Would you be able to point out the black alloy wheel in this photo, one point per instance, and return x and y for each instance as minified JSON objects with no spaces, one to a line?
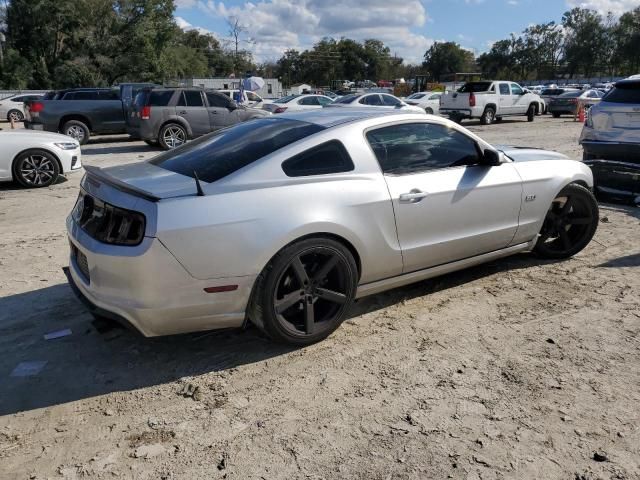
{"x":570,"y":223}
{"x":305,"y":292}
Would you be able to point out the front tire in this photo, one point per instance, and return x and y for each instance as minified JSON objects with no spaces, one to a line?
{"x":428,"y":111}
{"x":304,"y":293}
{"x":35,"y":169}
{"x":78,"y":130}
{"x":531,"y":113}
{"x":172,"y":135}
{"x":570,"y":223}
{"x":488,"y":116}
{"x":555,"y":115}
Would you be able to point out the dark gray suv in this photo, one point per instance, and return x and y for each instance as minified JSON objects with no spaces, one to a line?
{"x":170,"y":116}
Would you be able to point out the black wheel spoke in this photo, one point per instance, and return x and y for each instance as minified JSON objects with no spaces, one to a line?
{"x":309,"y":316}
{"x":331,"y":296}
{"x":544,"y":236}
{"x":289,"y":300}
{"x":326,"y":268}
{"x":300,"y":272}
{"x":579,"y":220}
{"x":566,"y":208}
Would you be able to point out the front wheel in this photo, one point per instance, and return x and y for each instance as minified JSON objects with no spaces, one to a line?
{"x":15,"y":115}
{"x":570,"y":223}
{"x":531,"y":113}
{"x":304,"y":293}
{"x":35,"y":169}
{"x":428,"y":111}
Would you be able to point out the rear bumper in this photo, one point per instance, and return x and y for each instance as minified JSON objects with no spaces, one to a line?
{"x":147,"y":288}
{"x":459,"y":112}
{"x":612,"y":150}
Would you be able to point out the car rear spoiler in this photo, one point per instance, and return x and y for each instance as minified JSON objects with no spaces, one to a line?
{"x":96,"y":174}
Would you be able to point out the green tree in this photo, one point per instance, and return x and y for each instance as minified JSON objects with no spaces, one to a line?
{"x":585,"y":34}
{"x":446,"y":58}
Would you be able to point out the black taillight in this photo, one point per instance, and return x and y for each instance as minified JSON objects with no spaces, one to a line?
{"x":107,"y":223}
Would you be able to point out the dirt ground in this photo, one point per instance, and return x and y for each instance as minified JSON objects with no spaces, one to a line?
{"x":518,"y":369}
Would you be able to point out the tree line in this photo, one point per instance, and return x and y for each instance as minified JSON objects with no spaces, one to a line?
{"x":68,"y":43}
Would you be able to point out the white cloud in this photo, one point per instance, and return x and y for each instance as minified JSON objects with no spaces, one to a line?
{"x":184,"y":25}
{"x":617,"y":7}
{"x":277,"y":25}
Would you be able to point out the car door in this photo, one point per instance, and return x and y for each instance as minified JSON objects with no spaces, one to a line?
{"x":221,"y":110}
{"x":448,"y":205}
{"x":434,"y":102}
{"x":191,"y":108}
{"x":505,"y":99}
{"x":520,"y":100}
{"x":372,"y":100}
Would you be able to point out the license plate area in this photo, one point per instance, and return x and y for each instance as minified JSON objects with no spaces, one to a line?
{"x":81,"y":262}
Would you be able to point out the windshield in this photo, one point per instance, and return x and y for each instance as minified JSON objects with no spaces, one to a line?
{"x":286,"y":99}
{"x":475,"y":87}
{"x":219,"y":154}
{"x":347,"y":98}
{"x":624,"y":93}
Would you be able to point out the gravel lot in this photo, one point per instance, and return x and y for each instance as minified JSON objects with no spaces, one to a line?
{"x":517,"y":369}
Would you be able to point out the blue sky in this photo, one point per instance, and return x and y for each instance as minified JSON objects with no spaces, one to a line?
{"x":408,"y":27}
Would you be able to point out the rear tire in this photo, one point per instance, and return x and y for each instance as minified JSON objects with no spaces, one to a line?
{"x":35,"y":169}
{"x":15,"y":115}
{"x":78,"y":130}
{"x":570,"y":223}
{"x":305,"y":291}
{"x":555,"y":115}
{"x":172,"y":135}
{"x":488,"y":116}
{"x":428,"y":111}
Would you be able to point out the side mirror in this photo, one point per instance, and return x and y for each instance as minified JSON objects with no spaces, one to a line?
{"x":491,"y":158}
{"x":400,"y":105}
{"x":232,"y":106}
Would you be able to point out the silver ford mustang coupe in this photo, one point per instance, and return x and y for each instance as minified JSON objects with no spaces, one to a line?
{"x":284,"y":221}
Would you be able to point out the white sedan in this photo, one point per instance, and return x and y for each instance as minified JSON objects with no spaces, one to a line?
{"x":37,"y":159}
{"x":294,"y":103}
{"x":375,"y":100}
{"x":12,"y":108}
{"x":429,"y":101}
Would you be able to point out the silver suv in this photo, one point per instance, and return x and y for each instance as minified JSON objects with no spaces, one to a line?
{"x":170,"y":116}
{"x":611,"y":142}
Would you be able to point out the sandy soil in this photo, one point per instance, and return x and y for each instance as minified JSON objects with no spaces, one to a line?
{"x":519,"y":369}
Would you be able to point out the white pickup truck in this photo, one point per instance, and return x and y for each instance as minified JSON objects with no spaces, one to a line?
{"x":489,"y":101}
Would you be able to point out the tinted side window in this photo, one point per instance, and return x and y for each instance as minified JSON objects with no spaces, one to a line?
{"x":160,"y":98}
{"x":108,"y":95}
{"x":516,"y":89}
{"x":217,"y":100}
{"x":416,"y":147}
{"x":504,"y":89}
{"x":390,"y":101}
{"x":309,"y":101}
{"x":324,"y":101}
{"x":191,"y":98}
{"x":330,"y":157}
{"x":371,"y":100}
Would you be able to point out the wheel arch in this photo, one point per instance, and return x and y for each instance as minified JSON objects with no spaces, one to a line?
{"x":33,"y":149}
{"x":491,"y":105}
{"x":178,"y":120}
{"x":77,"y":117}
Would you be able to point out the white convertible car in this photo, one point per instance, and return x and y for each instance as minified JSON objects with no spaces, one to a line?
{"x":36,"y":159}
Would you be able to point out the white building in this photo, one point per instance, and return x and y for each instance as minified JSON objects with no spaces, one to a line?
{"x":272,"y":86}
{"x":299,"y":88}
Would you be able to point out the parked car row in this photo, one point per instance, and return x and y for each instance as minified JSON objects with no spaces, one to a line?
{"x":12,"y":108}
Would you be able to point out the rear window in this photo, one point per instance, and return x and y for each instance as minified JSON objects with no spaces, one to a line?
{"x":160,"y":98}
{"x":624,"y":93}
{"x":475,"y":87}
{"x":330,"y":157}
{"x":219,"y":154}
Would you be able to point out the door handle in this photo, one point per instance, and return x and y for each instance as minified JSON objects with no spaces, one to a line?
{"x":414,"y":196}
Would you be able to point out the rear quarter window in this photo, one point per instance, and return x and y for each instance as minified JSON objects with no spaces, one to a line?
{"x":330,"y":157}
{"x":160,"y":98}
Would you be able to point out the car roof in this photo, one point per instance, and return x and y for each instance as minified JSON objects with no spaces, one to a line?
{"x":331,"y":117}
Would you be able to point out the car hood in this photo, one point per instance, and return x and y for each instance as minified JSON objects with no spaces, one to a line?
{"x":31,"y":136}
{"x":528,"y":154}
{"x":144,"y":180}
